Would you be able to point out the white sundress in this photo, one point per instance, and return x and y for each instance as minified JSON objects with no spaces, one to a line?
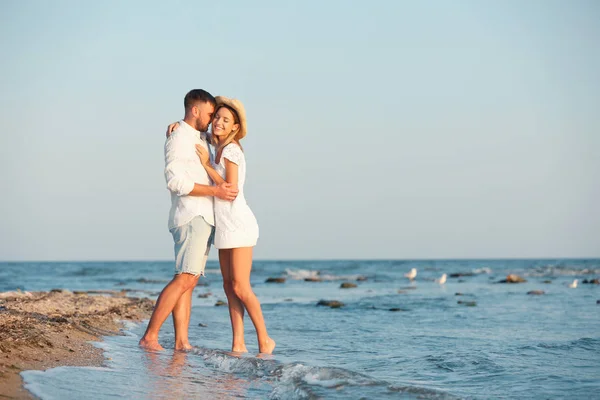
{"x":235,"y":224}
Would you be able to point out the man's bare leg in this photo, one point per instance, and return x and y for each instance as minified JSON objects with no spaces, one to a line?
{"x":181,"y":319}
{"x":164,"y":306}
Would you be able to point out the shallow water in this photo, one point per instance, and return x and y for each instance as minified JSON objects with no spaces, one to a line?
{"x":508,"y":345}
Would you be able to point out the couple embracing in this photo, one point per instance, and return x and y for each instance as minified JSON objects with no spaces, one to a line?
{"x":208,"y":205}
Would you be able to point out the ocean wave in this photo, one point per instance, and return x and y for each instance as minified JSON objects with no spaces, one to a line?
{"x":589,"y":344}
{"x":482,"y":270}
{"x":302,"y":274}
{"x":300,"y":381}
{"x":561,"y":270}
{"x":215,"y":271}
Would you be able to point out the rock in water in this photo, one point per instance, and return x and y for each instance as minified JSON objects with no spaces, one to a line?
{"x":313,"y":279}
{"x":512,"y":278}
{"x":536,"y":292}
{"x":347,"y":285}
{"x":467,"y":303}
{"x":330,"y":303}
{"x":461,"y":274}
{"x":220,"y":303}
{"x":275,"y":280}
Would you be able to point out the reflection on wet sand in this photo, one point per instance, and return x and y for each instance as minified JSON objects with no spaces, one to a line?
{"x":173,"y":377}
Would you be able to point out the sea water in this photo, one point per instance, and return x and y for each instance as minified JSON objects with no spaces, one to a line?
{"x":469,"y":338}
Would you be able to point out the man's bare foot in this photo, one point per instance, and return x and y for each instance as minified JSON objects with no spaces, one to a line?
{"x":183,"y":346}
{"x":239,"y":348}
{"x":151,"y":345}
{"x":267,"y":347}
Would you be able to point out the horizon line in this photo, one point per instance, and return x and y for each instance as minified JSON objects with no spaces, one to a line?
{"x":314,"y":259}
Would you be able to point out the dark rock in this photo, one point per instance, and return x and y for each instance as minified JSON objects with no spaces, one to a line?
{"x":536,"y":292}
{"x":288,"y":300}
{"x":361,"y":278}
{"x":313,"y":279}
{"x":220,"y":303}
{"x":467,"y":303}
{"x":592,"y":281}
{"x":396,"y":309}
{"x":512,"y":278}
{"x":597,"y":301}
{"x":458,"y":294}
{"x":202,"y":283}
{"x":547,"y":281}
{"x":202,"y":325}
{"x":408,"y":288}
{"x":144,"y":280}
{"x":461,"y":274}
{"x":275,"y":280}
{"x":204,"y":295}
{"x":330,"y":303}
{"x":347,"y":285}
{"x":57,"y":291}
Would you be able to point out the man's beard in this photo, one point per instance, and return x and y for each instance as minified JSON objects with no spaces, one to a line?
{"x":201,"y":127}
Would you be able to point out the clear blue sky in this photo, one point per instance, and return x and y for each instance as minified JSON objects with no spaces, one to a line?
{"x":380,"y":129}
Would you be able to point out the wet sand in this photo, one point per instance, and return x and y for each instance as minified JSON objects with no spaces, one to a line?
{"x":41,"y":330}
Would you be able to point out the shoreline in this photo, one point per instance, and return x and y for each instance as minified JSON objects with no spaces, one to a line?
{"x":42,"y":330}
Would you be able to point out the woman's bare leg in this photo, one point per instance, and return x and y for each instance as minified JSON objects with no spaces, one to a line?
{"x":241,"y":265}
{"x":236,"y":309}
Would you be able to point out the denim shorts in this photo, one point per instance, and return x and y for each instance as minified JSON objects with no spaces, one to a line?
{"x":192,"y":244}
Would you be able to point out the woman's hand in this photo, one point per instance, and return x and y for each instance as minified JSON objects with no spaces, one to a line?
{"x":203,"y":155}
{"x":171,"y":128}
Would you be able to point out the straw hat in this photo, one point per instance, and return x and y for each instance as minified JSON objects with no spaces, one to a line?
{"x":239,"y":109}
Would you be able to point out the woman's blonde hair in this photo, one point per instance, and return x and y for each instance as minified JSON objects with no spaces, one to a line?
{"x":231,"y":138}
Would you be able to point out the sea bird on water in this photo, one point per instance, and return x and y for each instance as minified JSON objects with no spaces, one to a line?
{"x":442,"y":279}
{"x":411,"y":274}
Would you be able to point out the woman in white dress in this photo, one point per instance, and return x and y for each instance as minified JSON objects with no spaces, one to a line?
{"x":236,"y":229}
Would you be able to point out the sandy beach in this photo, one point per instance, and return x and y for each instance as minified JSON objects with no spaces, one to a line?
{"x":41,"y":330}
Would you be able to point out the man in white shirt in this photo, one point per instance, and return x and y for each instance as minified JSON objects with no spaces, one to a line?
{"x":191,"y":219}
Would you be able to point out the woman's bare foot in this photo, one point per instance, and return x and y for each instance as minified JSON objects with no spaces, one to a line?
{"x":267,"y":347}
{"x":151,"y":345}
{"x":239,"y":348}
{"x":183,"y":346}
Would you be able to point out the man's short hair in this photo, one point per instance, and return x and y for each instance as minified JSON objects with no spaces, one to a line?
{"x":195,"y":96}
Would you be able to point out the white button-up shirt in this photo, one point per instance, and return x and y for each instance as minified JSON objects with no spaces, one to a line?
{"x":182,"y":170}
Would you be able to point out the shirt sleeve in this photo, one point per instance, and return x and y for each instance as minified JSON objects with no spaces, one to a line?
{"x":233,"y":153}
{"x":179,"y":151}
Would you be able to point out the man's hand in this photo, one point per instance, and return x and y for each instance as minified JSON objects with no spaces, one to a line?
{"x":171,"y":128}
{"x":226,"y":191}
